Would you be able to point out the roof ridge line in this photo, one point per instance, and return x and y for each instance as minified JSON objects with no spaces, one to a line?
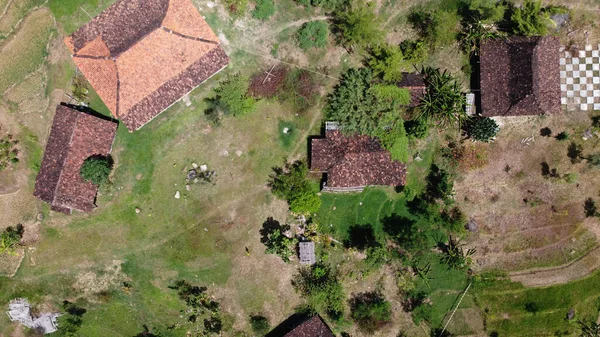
{"x":65,"y":158}
{"x":118,"y":89}
{"x":93,"y":57}
{"x":168,"y":30}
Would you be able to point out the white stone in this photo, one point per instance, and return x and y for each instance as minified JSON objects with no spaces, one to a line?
{"x":582,"y":53}
{"x":590,"y":100}
{"x":203,"y":168}
{"x":177,"y":195}
{"x":194,"y":165}
{"x":563,"y":100}
{"x":582,"y":67}
{"x":588,"y":60}
{"x":588,"y":47}
{"x":569,"y":67}
{"x":596,"y":80}
{"x":563,"y":61}
{"x":210,"y":4}
{"x":595,"y":53}
{"x":596,"y":66}
{"x":575,"y":60}
{"x":285,"y":130}
{"x":563,"y":87}
{"x":569,"y":80}
{"x":137,"y":210}
{"x":583,"y":107}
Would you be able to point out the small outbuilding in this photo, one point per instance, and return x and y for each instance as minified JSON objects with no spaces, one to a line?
{"x":74,"y":137}
{"x":520,"y":76}
{"x":415,"y":84}
{"x":306,"y":251}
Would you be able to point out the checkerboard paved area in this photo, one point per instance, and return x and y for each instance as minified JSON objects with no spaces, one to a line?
{"x":580,"y":78}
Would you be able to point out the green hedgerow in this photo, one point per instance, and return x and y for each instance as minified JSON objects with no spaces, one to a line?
{"x":313,"y":34}
{"x":96,"y":169}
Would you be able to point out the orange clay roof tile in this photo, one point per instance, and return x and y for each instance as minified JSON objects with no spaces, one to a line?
{"x":141,"y":56}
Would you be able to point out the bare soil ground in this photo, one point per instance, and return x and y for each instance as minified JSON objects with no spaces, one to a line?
{"x":528,"y":220}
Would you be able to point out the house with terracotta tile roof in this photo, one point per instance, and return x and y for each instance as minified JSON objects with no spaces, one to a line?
{"x":520,"y":76}
{"x":142,"y":56}
{"x":74,"y":137}
{"x":351,"y":163}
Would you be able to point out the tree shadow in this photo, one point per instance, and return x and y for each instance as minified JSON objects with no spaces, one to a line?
{"x":269,"y":226}
{"x":589,"y":207}
{"x":361,"y":237}
{"x":575,"y":152}
{"x":545,"y":132}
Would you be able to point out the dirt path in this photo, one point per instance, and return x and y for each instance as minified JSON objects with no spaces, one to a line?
{"x":543,"y":277}
{"x":297,"y":23}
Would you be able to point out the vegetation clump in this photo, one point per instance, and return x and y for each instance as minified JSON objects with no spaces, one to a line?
{"x":264,"y":9}
{"x":96,"y":169}
{"x":532,"y":19}
{"x":482,"y":129}
{"x":358,"y":25}
{"x":290,"y":183}
{"x":231,"y":98}
{"x":313,"y":34}
{"x":260,"y":324}
{"x":8,"y":151}
{"x":70,"y":323}
{"x":10,"y":238}
{"x":279,"y":244}
{"x":200,"y":308}
{"x":322,"y":289}
{"x":444,"y":101}
{"x":370,"y":311}
{"x":454,"y":255}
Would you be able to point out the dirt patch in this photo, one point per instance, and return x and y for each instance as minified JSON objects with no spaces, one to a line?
{"x":92,"y":283}
{"x":529,"y":218}
{"x":267,"y":83}
{"x":9,"y":263}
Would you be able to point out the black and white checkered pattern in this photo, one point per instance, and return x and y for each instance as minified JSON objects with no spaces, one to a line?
{"x":580,"y":79}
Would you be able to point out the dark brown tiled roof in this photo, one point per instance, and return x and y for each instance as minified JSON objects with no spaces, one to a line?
{"x":74,"y":137}
{"x":141,"y":56}
{"x":355,"y":161}
{"x":520,"y":76}
{"x":415,"y":83}
{"x":313,"y":327}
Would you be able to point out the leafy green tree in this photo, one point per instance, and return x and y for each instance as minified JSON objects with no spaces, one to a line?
{"x":357,"y":108}
{"x":444,"y":101}
{"x":232,"y":97}
{"x":532,"y":19}
{"x":387,"y":62}
{"x":437,"y":27}
{"x":8,"y":151}
{"x":281,"y":245}
{"x":260,"y":324}
{"x":406,"y":233}
{"x":594,"y":160}
{"x":264,"y":9}
{"x":290,"y":183}
{"x":96,"y":169}
{"x":483,"y":129}
{"x":10,"y":238}
{"x":440,"y":184}
{"x":370,"y":311}
{"x":320,"y":285}
{"x":483,"y":11}
{"x":395,"y":140}
{"x":359,"y":25}
{"x":390,"y":93}
{"x":313,"y":34}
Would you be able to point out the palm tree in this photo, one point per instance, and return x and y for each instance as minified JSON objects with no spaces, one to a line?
{"x":589,"y":329}
{"x":455,"y":256}
{"x":444,"y":101}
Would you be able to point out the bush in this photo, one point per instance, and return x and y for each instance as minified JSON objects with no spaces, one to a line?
{"x":483,"y":129}
{"x":359,"y":25}
{"x":563,"y":136}
{"x":370,"y":311}
{"x":264,"y":9}
{"x":484,"y":11}
{"x":260,"y":324}
{"x":440,"y":184}
{"x":96,"y":169}
{"x":281,"y":245}
{"x":438,"y":27}
{"x":70,"y":322}
{"x":8,"y":151}
{"x":320,"y":285}
{"x":326,"y":4}
{"x":232,"y":97}
{"x":313,"y":34}
{"x":416,"y":128}
{"x":290,"y":183}
{"x":594,"y":160}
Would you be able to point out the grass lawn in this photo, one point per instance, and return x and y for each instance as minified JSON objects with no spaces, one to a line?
{"x":512,"y":309}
